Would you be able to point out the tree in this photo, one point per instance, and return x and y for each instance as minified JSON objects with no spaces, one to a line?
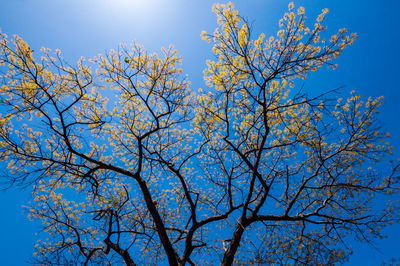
{"x":128,"y":160}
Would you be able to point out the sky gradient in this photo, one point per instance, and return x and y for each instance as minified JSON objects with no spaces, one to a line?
{"x":87,"y":28}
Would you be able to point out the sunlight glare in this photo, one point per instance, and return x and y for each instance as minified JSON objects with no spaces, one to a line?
{"x":143,"y":11}
{"x":136,"y":6}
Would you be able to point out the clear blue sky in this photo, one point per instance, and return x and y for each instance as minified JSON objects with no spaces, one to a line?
{"x":89,"y":27}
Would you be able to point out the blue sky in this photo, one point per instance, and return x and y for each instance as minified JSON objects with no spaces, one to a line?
{"x":88,"y":27}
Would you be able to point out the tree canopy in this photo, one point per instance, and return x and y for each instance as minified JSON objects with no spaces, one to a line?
{"x":129,"y":164}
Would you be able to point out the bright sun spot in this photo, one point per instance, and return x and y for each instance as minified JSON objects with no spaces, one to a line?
{"x":131,"y":4}
{"x":136,"y":3}
{"x":138,"y":14}
{"x":137,"y":8}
